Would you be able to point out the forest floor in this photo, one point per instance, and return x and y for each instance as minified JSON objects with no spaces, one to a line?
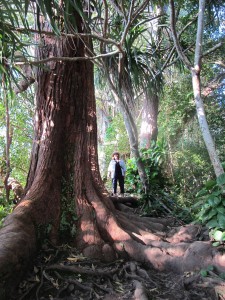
{"x":63,"y":273}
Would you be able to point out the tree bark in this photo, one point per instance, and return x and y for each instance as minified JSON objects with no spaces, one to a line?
{"x":64,"y":165}
{"x":210,"y":145}
{"x":149,"y":127}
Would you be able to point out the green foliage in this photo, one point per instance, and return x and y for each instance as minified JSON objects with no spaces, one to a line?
{"x":5,"y":208}
{"x":212,"y":204}
{"x":177,"y":105}
{"x":116,"y":138}
{"x":21,"y":124}
{"x":11,"y":41}
{"x":133,"y":183}
{"x":218,"y":236}
{"x":153,"y":159}
{"x":161,"y":202}
{"x":212,"y":271}
{"x":215,"y":109}
{"x":68,"y":214}
{"x":188,"y":165}
{"x":205,"y":272}
{"x":67,"y":225}
{"x":191,"y":166}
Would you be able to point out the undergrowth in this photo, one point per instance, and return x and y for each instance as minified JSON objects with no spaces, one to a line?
{"x":5,"y":209}
{"x":211,"y":207}
{"x":162,"y":200}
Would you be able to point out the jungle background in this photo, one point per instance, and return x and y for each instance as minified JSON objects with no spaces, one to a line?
{"x":155,"y":92}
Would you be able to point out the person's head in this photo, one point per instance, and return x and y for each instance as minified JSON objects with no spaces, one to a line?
{"x":115,"y":155}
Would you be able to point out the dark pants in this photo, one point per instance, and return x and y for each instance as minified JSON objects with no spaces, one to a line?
{"x":121,"y":184}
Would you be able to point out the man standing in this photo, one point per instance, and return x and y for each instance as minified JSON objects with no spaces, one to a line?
{"x":116,"y":171}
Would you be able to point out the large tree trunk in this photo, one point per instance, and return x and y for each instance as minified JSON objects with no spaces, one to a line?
{"x":64,"y":172}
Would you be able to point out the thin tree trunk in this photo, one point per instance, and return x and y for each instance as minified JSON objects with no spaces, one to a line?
{"x":136,"y":154}
{"x":133,"y":138}
{"x":196,"y":83}
{"x":210,"y":145}
{"x":9,"y":134}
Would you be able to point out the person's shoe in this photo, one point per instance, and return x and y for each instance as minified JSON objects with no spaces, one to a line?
{"x":115,"y":195}
{"x":121,"y":195}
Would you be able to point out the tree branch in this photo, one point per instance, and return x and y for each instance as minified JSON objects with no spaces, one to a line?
{"x":128,"y":23}
{"x":28,"y":79}
{"x":166,"y":64}
{"x":130,"y":20}
{"x":217,"y":46}
{"x":187,"y":25}
{"x":117,"y":8}
{"x":199,"y":38}
{"x":214,"y":84}
{"x":220,"y":63}
{"x":105,"y":19}
{"x":72,"y":59}
{"x":176,"y":59}
{"x":90,"y":35}
{"x":175,"y":38}
{"x":139,"y":10}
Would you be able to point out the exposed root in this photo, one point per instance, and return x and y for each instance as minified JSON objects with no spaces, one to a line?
{"x":80,"y":270}
{"x":109,"y":234}
{"x":131,"y":201}
{"x":116,"y":280}
{"x":140,"y":292}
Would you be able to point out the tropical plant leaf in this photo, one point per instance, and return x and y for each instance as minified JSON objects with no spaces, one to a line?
{"x":217,"y":200}
{"x":221,"y":209}
{"x":204,"y":273}
{"x":221,"y":179}
{"x":218,"y":234}
{"x":210,"y":184}
{"x":213,"y":223}
{"x":207,"y":215}
{"x":221,"y":220}
{"x":216,"y":244}
{"x":201,"y":193}
{"x":27,"y":2}
{"x":210,"y":268}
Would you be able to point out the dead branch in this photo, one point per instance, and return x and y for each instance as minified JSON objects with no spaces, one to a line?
{"x":80,"y":270}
